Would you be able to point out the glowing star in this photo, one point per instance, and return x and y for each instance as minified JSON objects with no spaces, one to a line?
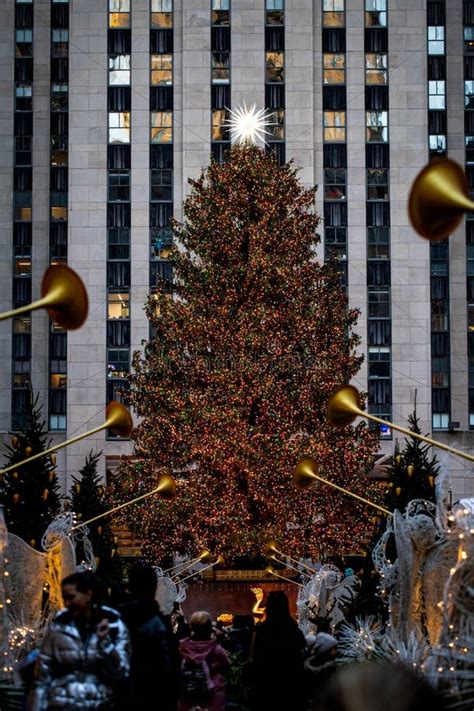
{"x":247,"y":124}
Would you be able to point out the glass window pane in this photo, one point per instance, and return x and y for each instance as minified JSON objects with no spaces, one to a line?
{"x":161,"y":69}
{"x":119,"y":19}
{"x":274,"y":66}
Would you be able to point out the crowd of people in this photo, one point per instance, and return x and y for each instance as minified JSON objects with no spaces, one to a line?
{"x":97,"y":658}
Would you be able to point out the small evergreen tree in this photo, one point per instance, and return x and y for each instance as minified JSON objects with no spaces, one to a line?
{"x":29,"y":494}
{"x":413,"y":472}
{"x":88,"y":500}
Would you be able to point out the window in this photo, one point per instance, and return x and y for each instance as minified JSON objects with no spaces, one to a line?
{"x":59,"y":97}
{"x":161,"y":127}
{"x":162,"y":13}
{"x":377,"y":126}
{"x":334,"y":184}
{"x":22,"y":267}
{"x":23,"y":97}
{"x":161,"y":184}
{"x":439,"y":315}
{"x":375,"y":13}
{"x":334,"y":125}
{"x":220,"y":69}
{"x":468,"y":40}
{"x":335,"y":242}
{"x":118,"y":305}
{"x":118,"y":362}
{"x":440,"y":372}
{"x":220,"y":131}
{"x":377,"y":184}
{"x":57,"y":380}
{"x":375,"y":68}
{"x":59,"y":43}
{"x":334,"y":68}
{"x":57,"y":422}
{"x":24,"y":43}
{"x":333,"y":13}
{"x":379,"y":362}
{"x":119,"y":127}
{"x":274,"y":12}
{"x":378,"y":243}
{"x":274,"y":67}
{"x":220,"y":12}
{"x":161,"y":239}
{"x":276,"y":126}
{"x":119,"y":186}
{"x":379,"y":301}
{"x":119,"y":13}
{"x":161,"y":69}
{"x":440,"y":422}
{"x":119,"y":243}
{"x":468,"y":94}
{"x":436,"y":40}
{"x":59,"y":213}
{"x":436,"y":94}
{"x":119,"y":69}
{"x":22,"y":324}
{"x":437,"y":143}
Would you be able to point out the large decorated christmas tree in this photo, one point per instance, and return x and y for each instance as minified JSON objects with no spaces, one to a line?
{"x":29,"y":494}
{"x":231,"y":391}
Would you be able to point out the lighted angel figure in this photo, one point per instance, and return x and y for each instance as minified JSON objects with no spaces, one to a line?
{"x":325,"y":596}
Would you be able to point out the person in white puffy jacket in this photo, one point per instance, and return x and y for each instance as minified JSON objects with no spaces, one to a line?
{"x":85,"y":653}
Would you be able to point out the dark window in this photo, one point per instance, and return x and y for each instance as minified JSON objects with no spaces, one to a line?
{"x":376,"y":98}
{"x":378,"y":243}
{"x":161,"y":156}
{"x":58,"y":346}
{"x":118,"y":274}
{"x":439,"y":345}
{"x":119,"y":99}
{"x":59,"y":15}
{"x":118,"y":215}
{"x":58,"y":179}
{"x":160,"y":275}
{"x":118,"y":333}
{"x":21,"y":345}
{"x":220,"y":152}
{"x":437,"y":67}
{"x":274,"y":96}
{"x":380,"y":392}
{"x":161,"y":185}
{"x":23,"y":124}
{"x":436,"y":13}
{"x":119,"y":186}
{"x":119,"y":41}
{"x":160,"y":214}
{"x":379,"y":302}
{"x":275,"y":39}
{"x":335,"y":156}
{"x":119,"y":243}
{"x":376,"y":40}
{"x":24,"y":70}
{"x":437,"y":122}
{"x":378,"y":214}
{"x":334,"y":98}
{"x":118,"y":157}
{"x":21,"y":291}
{"x":161,"y":98}
{"x":220,"y":96}
{"x":59,"y":70}
{"x":379,"y":333}
{"x":377,"y":156}
{"x":24,"y":15}
{"x":334,"y":40}
{"x":220,"y":39}
{"x":335,"y":214}
{"x":441,"y":400}
{"x":23,"y":179}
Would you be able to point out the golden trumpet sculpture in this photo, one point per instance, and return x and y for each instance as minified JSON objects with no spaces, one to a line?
{"x":118,"y":419}
{"x":269,"y":571}
{"x":271,"y":549}
{"x":345,"y":405}
{"x":166,"y":487}
{"x":219,"y":560}
{"x":439,"y":197}
{"x":201,"y":558}
{"x":306,"y":473}
{"x":64,"y":296}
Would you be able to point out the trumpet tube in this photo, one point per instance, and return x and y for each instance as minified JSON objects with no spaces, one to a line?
{"x":118,"y":419}
{"x":161,"y":486}
{"x":284,"y":561}
{"x":282,"y":577}
{"x":197,"y":572}
{"x":186,"y":564}
{"x":288,"y":557}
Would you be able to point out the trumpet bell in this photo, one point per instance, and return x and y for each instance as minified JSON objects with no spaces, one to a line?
{"x":438,"y":199}
{"x":68,"y":304}
{"x":204,"y":556}
{"x":118,"y":419}
{"x":269,"y":570}
{"x":167,"y":487}
{"x":344,"y":406}
{"x":271,"y":548}
{"x":305,"y":473}
{"x":220,"y":560}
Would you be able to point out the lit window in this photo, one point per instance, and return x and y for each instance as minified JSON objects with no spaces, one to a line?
{"x":23,"y":90}
{"x":24,"y":36}
{"x":119,"y":70}
{"x":59,"y":214}
{"x":436,"y":40}
{"x":119,"y":13}
{"x":23,"y":214}
{"x":57,"y":422}
{"x":118,"y":362}
{"x":436,"y":94}
{"x":274,"y":64}
{"x":118,"y":305}
{"x":119,"y":127}
{"x":161,"y":69}
{"x":468,"y":94}
{"x":220,"y":67}
{"x":161,"y":13}
{"x":274,"y":12}
{"x":58,"y":380}
{"x":469,"y":39}
{"x":22,"y":324}
{"x":220,"y":12}
{"x":22,"y":267}
{"x":161,"y":239}
{"x":334,"y":125}
{"x":334,"y":68}
{"x":437,"y":143}
{"x":379,"y":362}
{"x":335,"y":242}
{"x":220,"y":132}
{"x":378,"y":243}
{"x":440,"y":422}
{"x":333,"y":13}
{"x":161,"y":127}
{"x":375,"y":13}
{"x":377,"y":126}
{"x":375,"y":68}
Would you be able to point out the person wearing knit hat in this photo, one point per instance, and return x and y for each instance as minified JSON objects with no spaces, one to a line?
{"x":321,"y":664}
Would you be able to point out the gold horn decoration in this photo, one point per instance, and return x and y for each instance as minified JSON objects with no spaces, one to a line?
{"x":271,"y":549}
{"x":184,"y":565}
{"x":219,"y":560}
{"x":269,"y":571}
{"x":163,"y":486}
{"x":439,"y":197}
{"x":118,"y":419}
{"x":306,"y":473}
{"x":64,"y":296}
{"x":345,"y":405}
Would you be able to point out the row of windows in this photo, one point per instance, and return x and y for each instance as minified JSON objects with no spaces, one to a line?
{"x":469,"y":161}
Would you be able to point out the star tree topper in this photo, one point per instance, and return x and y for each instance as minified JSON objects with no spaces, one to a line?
{"x":247,"y":124}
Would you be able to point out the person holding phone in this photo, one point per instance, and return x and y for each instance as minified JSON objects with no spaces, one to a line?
{"x":85,"y":653}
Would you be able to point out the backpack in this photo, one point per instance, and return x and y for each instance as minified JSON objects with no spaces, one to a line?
{"x":195,"y":679}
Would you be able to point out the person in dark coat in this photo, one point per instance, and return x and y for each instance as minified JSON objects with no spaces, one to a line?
{"x":151,"y":666}
{"x":276,"y":659}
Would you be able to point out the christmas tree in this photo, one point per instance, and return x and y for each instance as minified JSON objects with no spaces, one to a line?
{"x":29,"y":494}
{"x":87,"y":501}
{"x":413,"y":472}
{"x":231,"y":391}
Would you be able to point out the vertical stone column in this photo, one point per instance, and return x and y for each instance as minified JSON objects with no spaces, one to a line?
{"x":87,"y":223}
{"x":299,"y":78}
{"x":248,"y":53}
{"x":409,"y":253}
{"x":356,"y":182}
{"x":7,"y":152}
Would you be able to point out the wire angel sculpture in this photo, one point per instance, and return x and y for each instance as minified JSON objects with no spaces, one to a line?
{"x":326,"y":595}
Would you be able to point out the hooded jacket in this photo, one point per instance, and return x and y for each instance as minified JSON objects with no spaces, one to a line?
{"x":217,"y":660}
{"x":76,"y":670}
